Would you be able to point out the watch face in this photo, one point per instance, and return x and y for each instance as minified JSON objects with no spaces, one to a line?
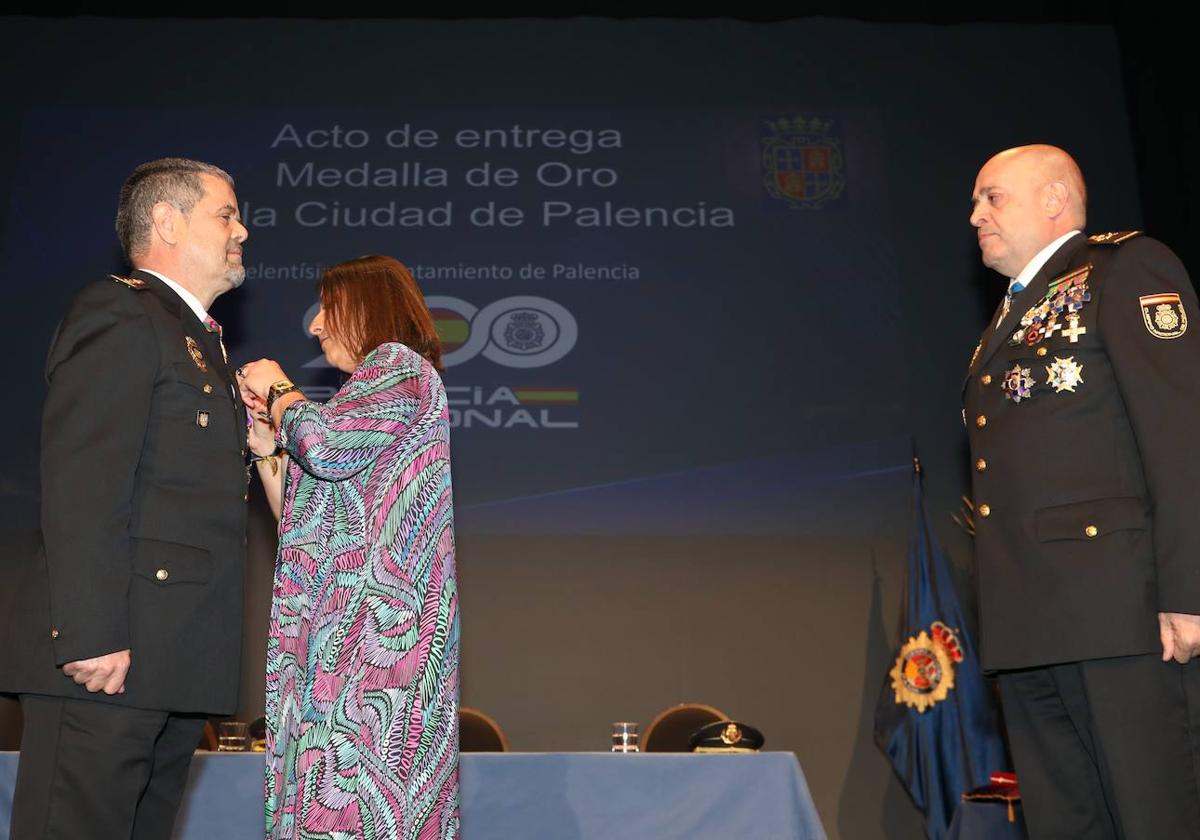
{"x":284,"y":386}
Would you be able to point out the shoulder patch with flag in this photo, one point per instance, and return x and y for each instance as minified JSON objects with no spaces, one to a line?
{"x":1164,"y":315}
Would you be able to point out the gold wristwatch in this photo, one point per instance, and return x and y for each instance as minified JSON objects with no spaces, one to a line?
{"x":283,"y":386}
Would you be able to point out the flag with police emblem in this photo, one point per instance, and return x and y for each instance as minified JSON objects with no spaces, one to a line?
{"x":936,"y":720}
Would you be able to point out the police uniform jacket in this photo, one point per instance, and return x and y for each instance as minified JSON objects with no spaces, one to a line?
{"x":1084,"y":463}
{"x":143,"y":507}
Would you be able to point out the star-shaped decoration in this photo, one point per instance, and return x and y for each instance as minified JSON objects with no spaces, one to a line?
{"x":1065,"y":374}
{"x":1018,"y":384}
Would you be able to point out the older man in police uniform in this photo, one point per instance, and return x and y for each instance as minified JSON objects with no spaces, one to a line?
{"x":1081,"y":404}
{"x":126,"y":629}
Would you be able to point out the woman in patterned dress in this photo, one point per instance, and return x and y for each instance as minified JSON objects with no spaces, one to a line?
{"x":363,"y":654}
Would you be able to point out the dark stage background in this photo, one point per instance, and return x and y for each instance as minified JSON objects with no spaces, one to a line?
{"x":681,"y":448}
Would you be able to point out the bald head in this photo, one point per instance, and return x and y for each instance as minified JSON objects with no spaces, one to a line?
{"x":1042,"y":166}
{"x":1025,"y":198}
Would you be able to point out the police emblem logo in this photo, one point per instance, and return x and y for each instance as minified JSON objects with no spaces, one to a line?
{"x":802,"y":162}
{"x":202,"y":419}
{"x":194,"y":351}
{"x":131,"y":282}
{"x":924,"y":671}
{"x":1064,"y":375}
{"x":731,"y":734}
{"x":524,"y":332}
{"x":1164,"y":315}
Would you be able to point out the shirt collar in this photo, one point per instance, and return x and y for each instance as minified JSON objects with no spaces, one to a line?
{"x":1031,"y":268}
{"x":190,"y":299}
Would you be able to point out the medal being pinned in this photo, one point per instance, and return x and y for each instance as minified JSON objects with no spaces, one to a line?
{"x":194,"y":351}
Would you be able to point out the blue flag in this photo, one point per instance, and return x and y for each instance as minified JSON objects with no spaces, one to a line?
{"x":936,"y":720}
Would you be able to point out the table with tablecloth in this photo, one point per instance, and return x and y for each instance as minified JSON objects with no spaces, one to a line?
{"x":505,"y":796}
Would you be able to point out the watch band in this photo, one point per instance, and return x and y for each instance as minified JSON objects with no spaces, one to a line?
{"x":283,"y":386}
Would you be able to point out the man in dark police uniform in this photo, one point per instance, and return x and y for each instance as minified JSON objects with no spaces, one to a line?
{"x":1081,"y":405}
{"x":126,"y":629}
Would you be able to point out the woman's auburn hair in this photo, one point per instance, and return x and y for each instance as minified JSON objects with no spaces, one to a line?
{"x":372,"y":300}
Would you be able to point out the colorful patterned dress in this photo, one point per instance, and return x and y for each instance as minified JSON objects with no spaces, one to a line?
{"x":362,"y":660}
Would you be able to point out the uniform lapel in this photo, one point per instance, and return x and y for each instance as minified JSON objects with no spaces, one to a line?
{"x":208,"y":342}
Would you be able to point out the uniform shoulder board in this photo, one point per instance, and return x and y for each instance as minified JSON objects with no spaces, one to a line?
{"x":131,"y":282}
{"x":1115,"y":238}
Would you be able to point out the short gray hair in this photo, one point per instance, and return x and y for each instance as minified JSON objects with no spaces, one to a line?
{"x":173,"y":180}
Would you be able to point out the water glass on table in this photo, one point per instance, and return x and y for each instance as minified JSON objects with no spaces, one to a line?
{"x":625,"y":737}
{"x":231,"y":736}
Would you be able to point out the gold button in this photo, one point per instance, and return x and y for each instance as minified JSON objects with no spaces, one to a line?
{"x":162,"y":574}
{"x":53,"y":632}
{"x":1041,"y":351}
{"x":985,"y":511}
{"x":986,"y":379}
{"x":1091,"y":531}
{"x":207,"y":388}
{"x":981,"y":421}
{"x":980,"y":465}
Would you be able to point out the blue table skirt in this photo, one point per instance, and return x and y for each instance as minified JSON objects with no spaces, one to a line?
{"x":508,"y":796}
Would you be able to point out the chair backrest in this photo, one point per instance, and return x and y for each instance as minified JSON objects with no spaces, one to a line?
{"x":669,"y":731}
{"x":208,"y":738}
{"x":479,"y":733}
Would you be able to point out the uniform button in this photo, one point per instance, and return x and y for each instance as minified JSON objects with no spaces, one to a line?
{"x":162,"y":574}
{"x":1091,"y":531}
{"x":53,"y":632}
{"x":986,"y":379}
{"x":981,"y":421}
{"x":985,"y":511}
{"x":207,"y":388}
{"x":245,"y":497}
{"x":980,"y":465}
{"x":1041,"y":351}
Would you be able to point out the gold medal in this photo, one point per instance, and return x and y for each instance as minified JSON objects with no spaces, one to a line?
{"x":194,"y":351}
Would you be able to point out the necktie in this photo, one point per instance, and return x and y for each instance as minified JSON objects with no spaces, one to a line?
{"x":213,"y":327}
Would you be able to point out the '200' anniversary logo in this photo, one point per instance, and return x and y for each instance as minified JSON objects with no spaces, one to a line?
{"x":523,"y":331}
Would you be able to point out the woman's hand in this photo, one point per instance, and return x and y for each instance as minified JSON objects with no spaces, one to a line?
{"x":256,"y":378}
{"x":260,"y":437}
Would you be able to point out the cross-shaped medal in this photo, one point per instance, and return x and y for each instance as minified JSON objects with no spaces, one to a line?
{"x":1074,"y":331}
